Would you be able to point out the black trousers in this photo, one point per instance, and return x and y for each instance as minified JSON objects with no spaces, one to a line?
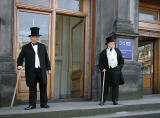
{"x":112,"y":77}
{"x":33,"y":90}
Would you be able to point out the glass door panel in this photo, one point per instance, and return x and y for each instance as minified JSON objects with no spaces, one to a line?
{"x":27,"y":20}
{"x":146,"y":59}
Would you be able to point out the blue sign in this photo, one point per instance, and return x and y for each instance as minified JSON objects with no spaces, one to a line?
{"x":126,"y":46}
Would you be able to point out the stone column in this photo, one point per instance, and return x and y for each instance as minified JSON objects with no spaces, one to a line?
{"x":7,"y":69}
{"x":126,"y":27}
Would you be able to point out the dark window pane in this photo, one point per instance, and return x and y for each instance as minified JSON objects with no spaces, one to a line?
{"x":36,"y":2}
{"x":148,"y":15}
{"x":76,"y":5}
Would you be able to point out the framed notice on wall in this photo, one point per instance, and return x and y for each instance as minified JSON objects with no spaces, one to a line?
{"x":126,"y":48}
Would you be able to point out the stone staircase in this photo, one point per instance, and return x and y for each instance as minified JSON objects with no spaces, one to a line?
{"x":147,"y":107}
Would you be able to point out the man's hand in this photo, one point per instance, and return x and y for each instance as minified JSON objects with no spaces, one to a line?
{"x":103,"y":70}
{"x":49,"y":71}
{"x":19,"y":67}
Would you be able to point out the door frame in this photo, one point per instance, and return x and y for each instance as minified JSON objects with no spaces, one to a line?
{"x":52,"y":9}
{"x":152,"y":29}
{"x":156,"y":57}
{"x":17,"y":48}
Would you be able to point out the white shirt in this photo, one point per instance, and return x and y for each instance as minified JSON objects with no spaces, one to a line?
{"x":37,"y":63}
{"x":112,"y":58}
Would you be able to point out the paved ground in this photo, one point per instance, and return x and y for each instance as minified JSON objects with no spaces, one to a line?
{"x":64,"y":106}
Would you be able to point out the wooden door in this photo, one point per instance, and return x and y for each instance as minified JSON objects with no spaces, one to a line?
{"x":27,"y":19}
{"x":146,"y":60}
{"x":77,"y":59}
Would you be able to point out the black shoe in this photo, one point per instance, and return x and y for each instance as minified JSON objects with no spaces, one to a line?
{"x":115,"y":102}
{"x":30,"y":107}
{"x":45,"y":106}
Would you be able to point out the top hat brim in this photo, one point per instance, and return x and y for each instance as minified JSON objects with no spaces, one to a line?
{"x":34,"y":35}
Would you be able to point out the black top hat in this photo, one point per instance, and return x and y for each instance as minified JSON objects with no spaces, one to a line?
{"x":34,"y":31}
{"x":111,"y":38}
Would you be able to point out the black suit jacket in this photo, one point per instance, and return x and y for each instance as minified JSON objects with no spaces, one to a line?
{"x":27,"y":53}
{"x":103,"y":62}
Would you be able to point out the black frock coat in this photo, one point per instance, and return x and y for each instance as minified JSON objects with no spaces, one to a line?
{"x":103,"y":64}
{"x":27,"y":54}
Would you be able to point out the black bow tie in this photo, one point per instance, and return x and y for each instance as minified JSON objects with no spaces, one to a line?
{"x":34,"y":44}
{"x":110,"y":49}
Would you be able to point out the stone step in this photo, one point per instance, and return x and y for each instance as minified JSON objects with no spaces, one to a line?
{"x":82,"y":109}
{"x":139,"y":114}
{"x":128,"y":114}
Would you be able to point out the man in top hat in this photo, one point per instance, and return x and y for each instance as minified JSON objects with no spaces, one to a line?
{"x":36,"y":65}
{"x":111,"y":62}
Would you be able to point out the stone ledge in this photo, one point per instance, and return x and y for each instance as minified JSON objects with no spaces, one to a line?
{"x":6,"y":59}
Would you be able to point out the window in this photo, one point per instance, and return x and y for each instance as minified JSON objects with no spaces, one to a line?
{"x":148,"y":15}
{"x":36,"y":2}
{"x":27,"y":20}
{"x":76,"y":5}
{"x":144,"y":54}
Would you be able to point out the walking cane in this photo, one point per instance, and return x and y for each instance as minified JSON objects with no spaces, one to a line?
{"x":102,"y":89}
{"x":15,"y":89}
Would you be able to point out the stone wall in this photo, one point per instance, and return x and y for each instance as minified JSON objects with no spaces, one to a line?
{"x":7,"y":69}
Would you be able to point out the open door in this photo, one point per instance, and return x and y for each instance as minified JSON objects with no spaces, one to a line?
{"x":77,"y":59}
{"x":69,"y":57}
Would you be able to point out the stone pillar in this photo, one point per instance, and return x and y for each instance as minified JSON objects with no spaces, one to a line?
{"x":126,"y":27}
{"x":120,"y":16}
{"x":7,"y":69}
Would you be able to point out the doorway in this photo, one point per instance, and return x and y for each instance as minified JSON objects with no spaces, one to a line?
{"x":69,"y":57}
{"x":145,"y":58}
{"x":65,"y":31}
{"x":26,"y":20}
